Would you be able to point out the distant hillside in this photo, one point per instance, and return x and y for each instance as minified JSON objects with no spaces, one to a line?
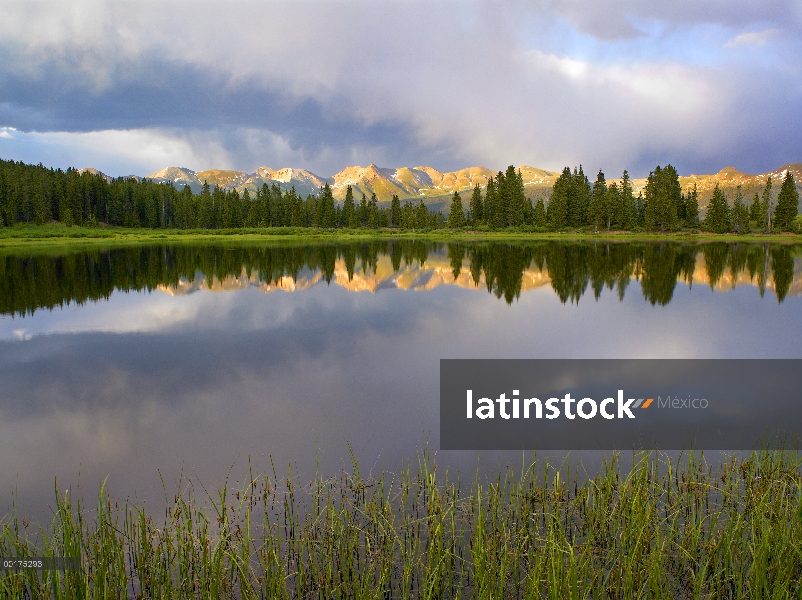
{"x":428,"y":183}
{"x":729,"y":178}
{"x":179,"y":176}
{"x":303,"y":181}
{"x":435,"y":187}
{"x":222,"y":178}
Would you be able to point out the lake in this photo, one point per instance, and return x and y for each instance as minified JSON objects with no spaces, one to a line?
{"x":140,"y":364}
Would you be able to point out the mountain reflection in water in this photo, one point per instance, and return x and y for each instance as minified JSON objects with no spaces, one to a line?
{"x":30,"y":281}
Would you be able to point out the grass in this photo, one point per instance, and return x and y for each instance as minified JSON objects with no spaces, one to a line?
{"x":661,"y":528}
{"x":58,"y":233}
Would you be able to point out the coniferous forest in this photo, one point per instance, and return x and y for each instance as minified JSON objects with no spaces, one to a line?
{"x":36,"y":194}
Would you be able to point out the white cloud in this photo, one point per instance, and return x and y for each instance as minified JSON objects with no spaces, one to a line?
{"x":752,"y":38}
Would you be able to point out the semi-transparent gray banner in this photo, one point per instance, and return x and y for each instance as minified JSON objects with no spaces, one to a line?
{"x":720,"y":404}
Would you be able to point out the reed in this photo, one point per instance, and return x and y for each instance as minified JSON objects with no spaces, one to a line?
{"x":654,"y":527}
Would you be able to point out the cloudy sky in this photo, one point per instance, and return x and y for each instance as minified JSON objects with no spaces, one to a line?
{"x":132,"y":87}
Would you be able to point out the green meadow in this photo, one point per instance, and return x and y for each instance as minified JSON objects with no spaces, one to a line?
{"x":59,"y":234}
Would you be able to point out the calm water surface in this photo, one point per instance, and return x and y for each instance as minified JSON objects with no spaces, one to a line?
{"x":140,"y":364}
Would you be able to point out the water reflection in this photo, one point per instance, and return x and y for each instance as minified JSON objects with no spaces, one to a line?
{"x":29,"y":282}
{"x":142,"y":384}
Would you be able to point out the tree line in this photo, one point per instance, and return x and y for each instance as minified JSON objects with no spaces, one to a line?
{"x":29,"y":282}
{"x":35,"y":194}
{"x":577,"y":204}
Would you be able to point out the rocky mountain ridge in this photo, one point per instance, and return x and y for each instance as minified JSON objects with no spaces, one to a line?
{"x":431,"y":185}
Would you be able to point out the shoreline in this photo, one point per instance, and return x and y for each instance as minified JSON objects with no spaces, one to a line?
{"x":58,"y":235}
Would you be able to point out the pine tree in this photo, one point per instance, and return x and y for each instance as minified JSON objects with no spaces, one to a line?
{"x":627,"y":212}
{"x":477,"y":206}
{"x":756,"y":211}
{"x":491,"y":202}
{"x":739,"y":214}
{"x":349,"y":212}
{"x":395,"y":212}
{"x":692,"y":207}
{"x":767,"y":205}
{"x":421,"y":216}
{"x":516,"y":197}
{"x":787,"y":204}
{"x":557,"y":211}
{"x":65,"y":212}
{"x":640,"y":210}
{"x":502,"y":202}
{"x":362,"y":211}
{"x":611,"y":203}
{"x":206,"y":212}
{"x":717,"y":218}
{"x":325,"y":208}
{"x":373,"y":212}
{"x":579,"y":199}
{"x":597,"y":209}
{"x":456,"y":216}
{"x":663,"y":194}
{"x":539,"y":218}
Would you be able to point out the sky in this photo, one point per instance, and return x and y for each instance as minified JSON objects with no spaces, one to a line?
{"x":133,"y":87}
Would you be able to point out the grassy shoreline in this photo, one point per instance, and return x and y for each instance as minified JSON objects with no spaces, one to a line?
{"x":661,"y":529}
{"x":58,"y":234}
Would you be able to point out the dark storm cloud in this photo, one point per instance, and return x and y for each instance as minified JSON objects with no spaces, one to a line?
{"x":321,"y":85}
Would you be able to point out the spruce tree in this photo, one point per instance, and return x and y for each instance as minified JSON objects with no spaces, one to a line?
{"x":739,"y":214}
{"x":767,"y":205}
{"x":502,"y":203}
{"x":490,"y":204}
{"x":692,"y":207}
{"x":611,"y":203}
{"x":717,"y":218}
{"x":663,"y":193}
{"x":557,"y":211}
{"x":349,"y":212}
{"x":373,"y":212}
{"x":206,"y":207}
{"x":65,"y":212}
{"x":787,"y":204}
{"x":756,"y":211}
{"x":539,"y":218}
{"x":516,"y":197}
{"x":477,"y":206}
{"x":422,"y":216}
{"x":325,"y":209}
{"x":362,"y":212}
{"x":579,"y":199}
{"x":597,"y":209}
{"x":395,"y":212}
{"x":456,"y":216}
{"x":627,"y":213}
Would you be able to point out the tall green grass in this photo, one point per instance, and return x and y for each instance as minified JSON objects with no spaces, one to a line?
{"x":655,"y":528}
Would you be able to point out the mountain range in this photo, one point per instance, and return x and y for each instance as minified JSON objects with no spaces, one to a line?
{"x":435,"y":187}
